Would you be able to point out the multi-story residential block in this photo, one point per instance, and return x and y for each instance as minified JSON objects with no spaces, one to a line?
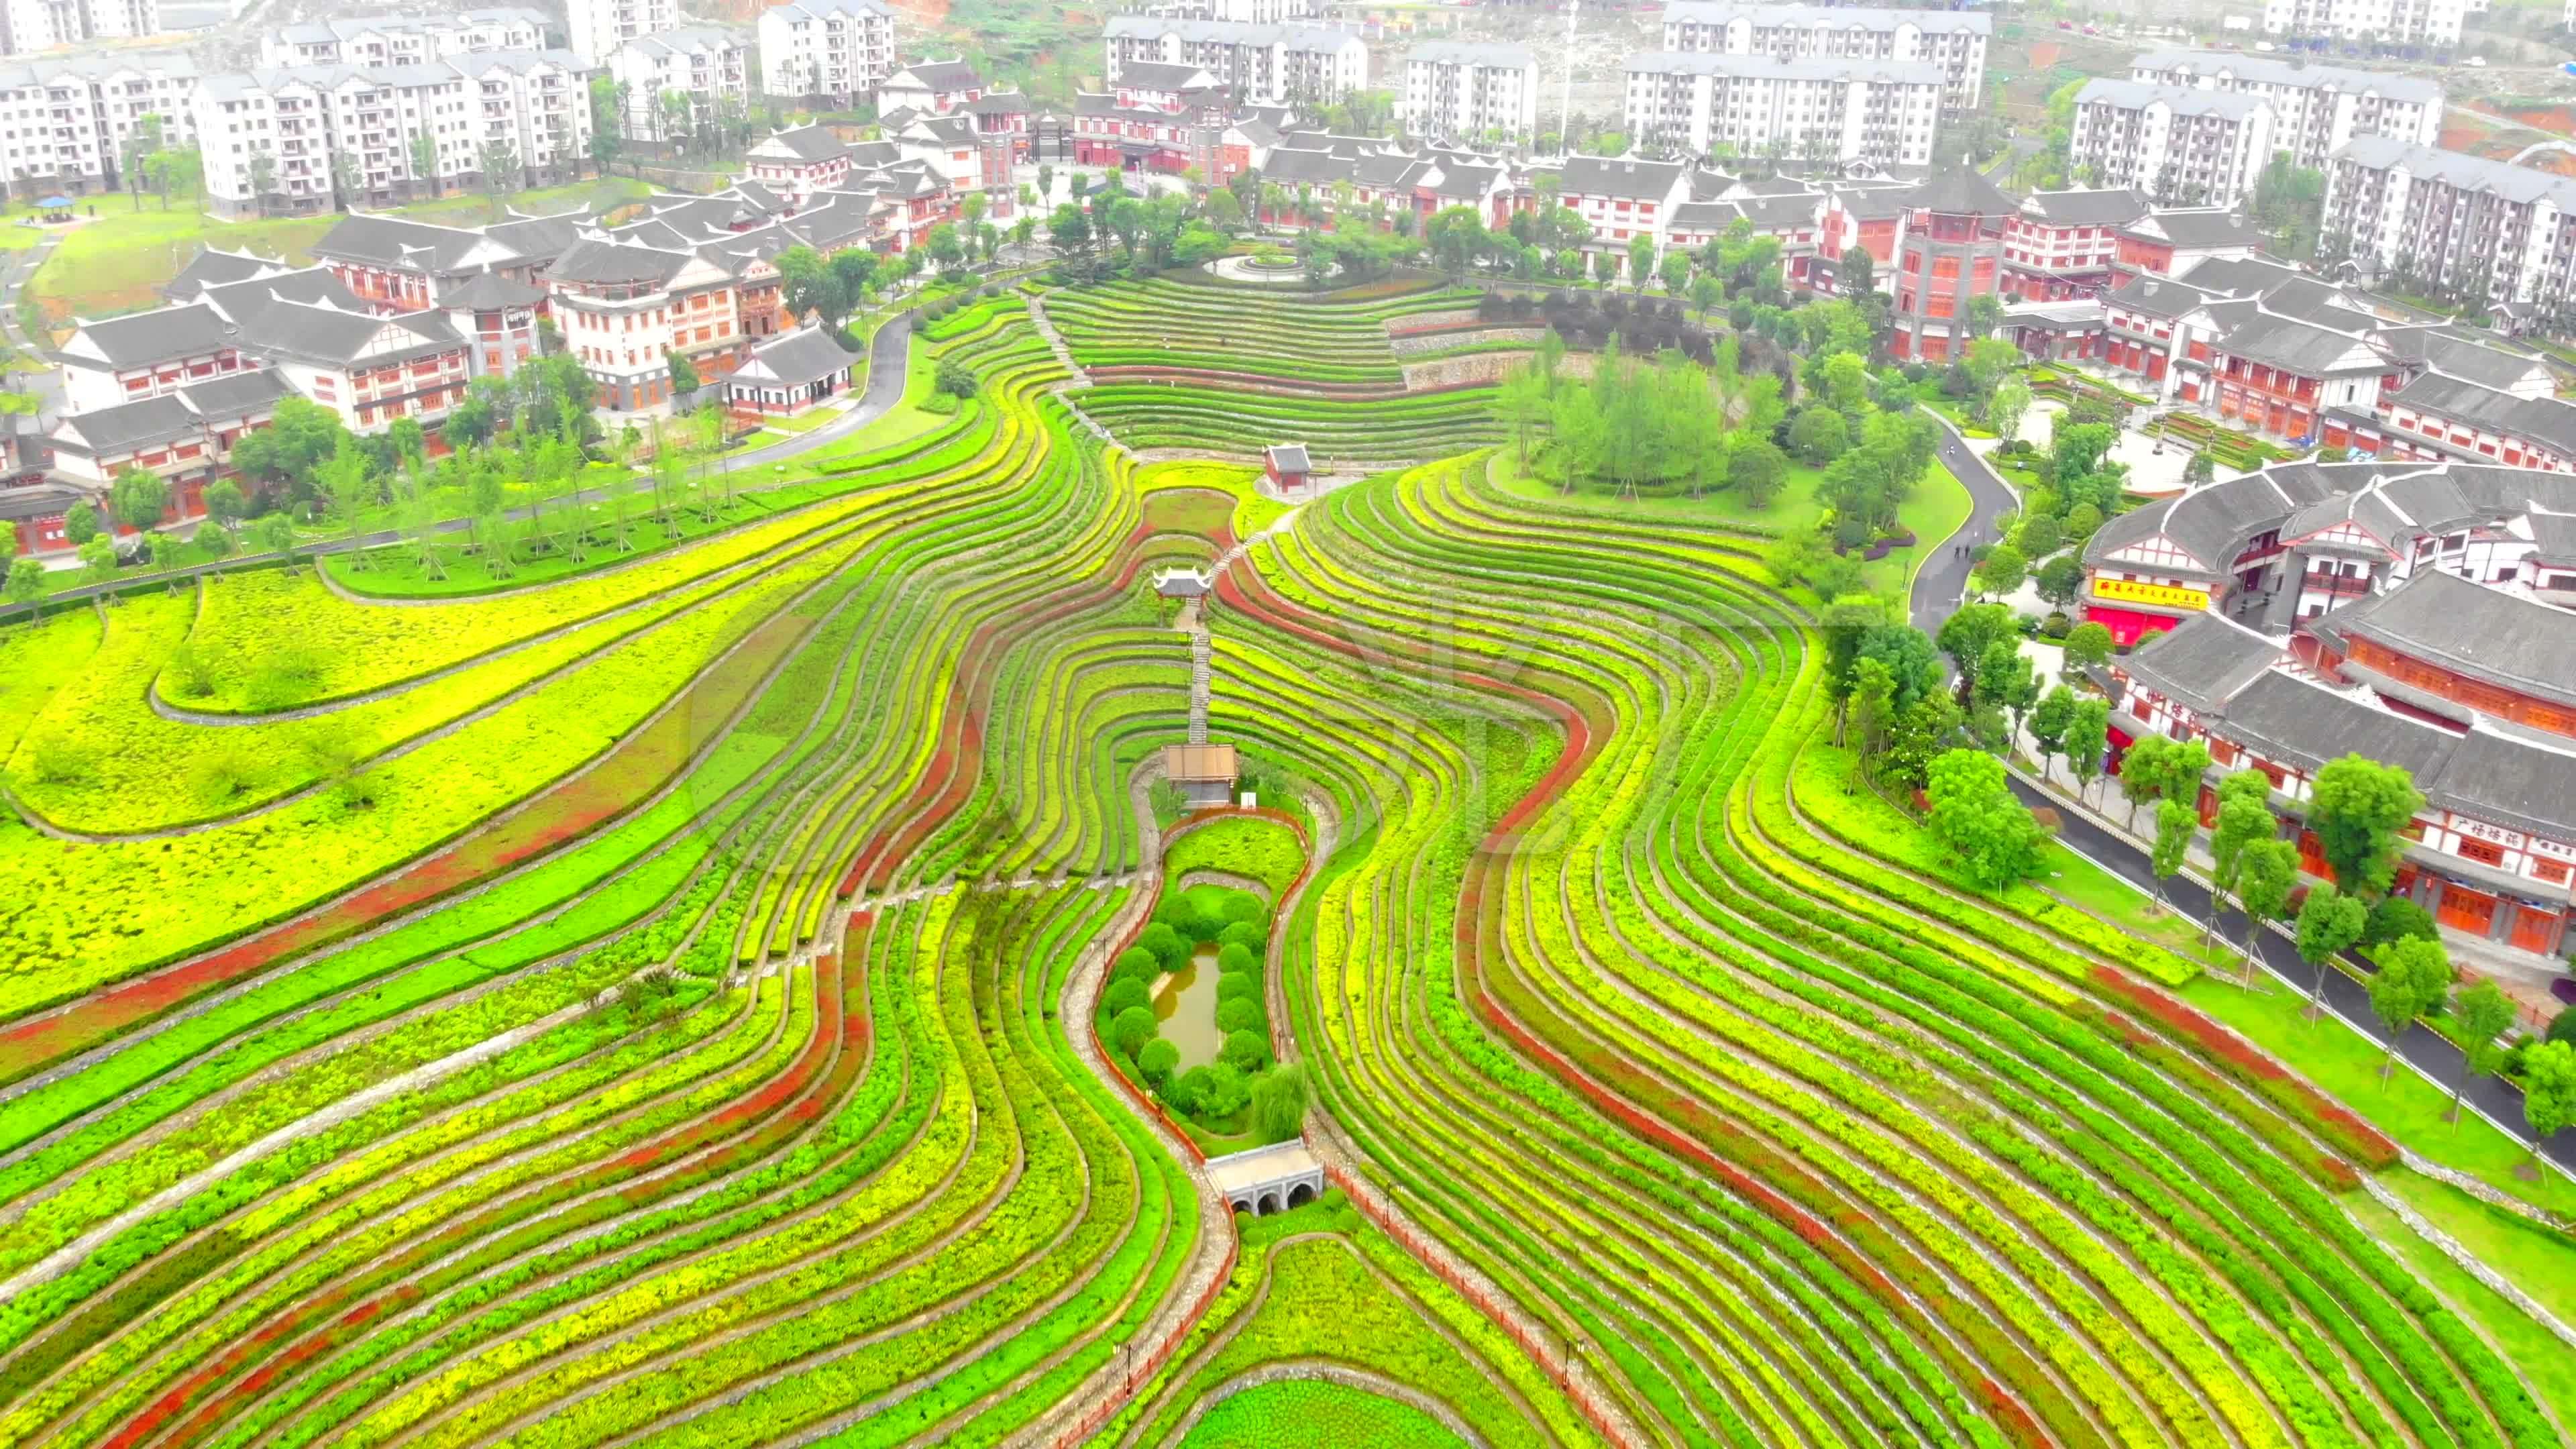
{"x":28,"y":27}
{"x":403,"y":39}
{"x":2443,"y":220}
{"x":1240,"y":12}
{"x":282,"y":141}
{"x":2065,"y":245}
{"x":1264,"y":62}
{"x":597,"y":27}
{"x":2177,"y":144}
{"x":625,"y":309}
{"x":1708,"y":101}
{"x":67,"y":125}
{"x":679,"y":82}
{"x":1949,"y":252}
{"x":1461,"y":90}
{"x":840,"y":50}
{"x":2396,"y":22}
{"x":1954,"y":40}
{"x":2315,"y":108}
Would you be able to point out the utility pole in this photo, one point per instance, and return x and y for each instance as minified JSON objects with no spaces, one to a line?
{"x":1565,"y":111}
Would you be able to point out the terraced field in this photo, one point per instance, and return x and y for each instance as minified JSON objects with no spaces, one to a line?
{"x":656,"y":1007}
{"x":1180,"y":366}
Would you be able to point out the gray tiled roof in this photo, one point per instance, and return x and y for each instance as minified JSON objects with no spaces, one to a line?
{"x":2305,"y":725}
{"x":152,"y":336}
{"x":2293,"y":345}
{"x":2545,"y":420}
{"x":2129,"y":95}
{"x":2477,"y":631}
{"x":594,"y":259}
{"x":802,"y":356}
{"x":240,"y":395}
{"x":145,"y":421}
{"x":2199,"y":228}
{"x":2099,"y":206}
{"x":2203,"y":661}
{"x":1620,"y":176}
{"x":1826,"y":17}
{"x":1155,"y":75}
{"x":943,"y":75}
{"x":210,"y":267}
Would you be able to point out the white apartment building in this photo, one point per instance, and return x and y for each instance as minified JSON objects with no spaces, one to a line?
{"x":535,"y":104}
{"x":30,"y":26}
{"x":710,"y":64}
{"x":403,"y":39}
{"x":1459,"y":90}
{"x":64,"y":124}
{"x":1954,"y":40}
{"x":842,"y":49}
{"x":2176,"y":145}
{"x":1240,"y":12}
{"x":597,"y":27}
{"x":2400,"y":22}
{"x":1272,"y":63}
{"x":2461,"y":221}
{"x":2315,"y":108}
{"x":1809,"y":109}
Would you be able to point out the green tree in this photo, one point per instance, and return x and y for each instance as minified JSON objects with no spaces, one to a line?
{"x":27,"y":584}
{"x":2329,"y":923}
{"x":2050,"y":719}
{"x":1872,"y":707}
{"x":98,"y":559}
{"x":2266,"y":873}
{"x":2005,"y":407}
{"x":1756,"y":469}
{"x":2359,"y":808}
{"x":2060,"y":580}
{"x":1975,"y":813}
{"x":2548,"y":1089}
{"x":345,"y":483}
{"x":1818,"y":436}
{"x":2002,"y":570}
{"x":138,"y":497}
{"x":2087,"y":739}
{"x":424,"y":161}
{"x":684,"y":375}
{"x":2006,"y":681}
{"x":1641,"y":260}
{"x":1131,"y":1029}
{"x":1279,"y":1098}
{"x":1984,"y":313}
{"x":2480,"y":1016}
{"x":2414,"y":977}
{"x":2176,"y":823}
{"x":80,"y":522}
{"x":503,"y":173}
{"x":1967,"y":633}
{"x":2242,"y":820}
{"x":2088,"y":646}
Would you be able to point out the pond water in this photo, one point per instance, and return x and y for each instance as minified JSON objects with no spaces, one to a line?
{"x":1185,"y":1007}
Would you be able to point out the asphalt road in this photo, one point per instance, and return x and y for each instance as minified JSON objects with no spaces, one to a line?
{"x":1943,"y":580}
{"x":889,"y":353}
{"x":2498,"y":1099}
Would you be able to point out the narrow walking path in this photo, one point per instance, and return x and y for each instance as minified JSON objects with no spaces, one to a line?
{"x":1942,"y":582}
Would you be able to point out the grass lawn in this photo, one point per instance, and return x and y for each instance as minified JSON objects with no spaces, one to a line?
{"x":118,"y":262}
{"x":2540,"y":1262}
{"x":1793,"y":509}
{"x":2544,"y":1361}
{"x":1938,"y":509}
{"x":2407,"y":1108}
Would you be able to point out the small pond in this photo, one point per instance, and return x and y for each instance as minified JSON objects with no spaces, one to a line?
{"x":1185,"y":1009}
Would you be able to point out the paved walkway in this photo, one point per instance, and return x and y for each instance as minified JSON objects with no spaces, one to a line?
{"x":2123,"y":855}
{"x":1943,"y":580}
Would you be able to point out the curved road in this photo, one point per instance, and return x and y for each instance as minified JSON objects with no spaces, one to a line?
{"x":889,"y":358}
{"x":1943,"y":580}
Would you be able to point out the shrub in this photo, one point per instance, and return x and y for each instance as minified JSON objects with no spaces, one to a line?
{"x":1245,"y":934}
{"x":1236,"y":986}
{"x":1136,"y":964}
{"x":1232,"y":958}
{"x":2396,"y":918}
{"x":1239,"y":1013}
{"x":953,"y":378}
{"x":1132,"y":1029}
{"x":1246,"y":1051}
{"x":1123,"y":993}
{"x":1155,"y":1062}
{"x":1169,"y":947}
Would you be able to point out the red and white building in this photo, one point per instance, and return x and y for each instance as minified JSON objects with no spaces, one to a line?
{"x":626,"y":309}
{"x":2065,"y":245}
{"x":2431,"y":631}
{"x":791,"y":373}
